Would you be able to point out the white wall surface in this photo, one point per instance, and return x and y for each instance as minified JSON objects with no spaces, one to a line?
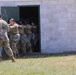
{"x":57,"y":23}
{"x":58,"y":26}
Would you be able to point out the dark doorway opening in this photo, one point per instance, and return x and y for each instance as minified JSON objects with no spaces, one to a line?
{"x":32,"y":13}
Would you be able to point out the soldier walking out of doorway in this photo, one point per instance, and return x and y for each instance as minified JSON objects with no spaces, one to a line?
{"x":25,"y":43}
{"x":14,"y":36}
{"x":4,"y":40}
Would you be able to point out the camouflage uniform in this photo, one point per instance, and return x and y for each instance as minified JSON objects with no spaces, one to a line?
{"x":34,"y":32}
{"x":28,"y":31}
{"x":24,"y":40}
{"x":14,"y":38}
{"x":4,"y":40}
{"x":34,"y":37}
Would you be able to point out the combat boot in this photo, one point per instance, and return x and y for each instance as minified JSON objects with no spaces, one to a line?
{"x":13,"y":59}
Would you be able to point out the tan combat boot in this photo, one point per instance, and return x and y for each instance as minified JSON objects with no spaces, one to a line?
{"x":13,"y":59}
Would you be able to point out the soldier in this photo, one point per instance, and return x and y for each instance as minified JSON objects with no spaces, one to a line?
{"x":27,"y":31}
{"x":24,"y":40}
{"x":14,"y":36}
{"x":4,"y":40}
{"x":34,"y":34}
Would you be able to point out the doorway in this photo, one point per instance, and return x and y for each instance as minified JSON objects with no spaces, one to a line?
{"x":32,"y":14}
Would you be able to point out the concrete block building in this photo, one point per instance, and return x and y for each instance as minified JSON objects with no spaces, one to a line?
{"x":56,"y":20}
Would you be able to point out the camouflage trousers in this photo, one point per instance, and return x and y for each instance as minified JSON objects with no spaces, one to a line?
{"x":32,"y":39}
{"x":1,"y":51}
{"x":14,"y":39}
{"x":25,"y":43}
{"x":29,"y":36}
{"x":4,"y":42}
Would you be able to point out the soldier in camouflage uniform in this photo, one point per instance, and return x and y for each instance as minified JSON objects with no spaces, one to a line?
{"x":34,"y":33}
{"x":4,"y":40}
{"x":24,"y":40}
{"x":27,"y":31}
{"x":14,"y":36}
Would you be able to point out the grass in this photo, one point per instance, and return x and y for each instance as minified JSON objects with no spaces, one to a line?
{"x":40,"y":65}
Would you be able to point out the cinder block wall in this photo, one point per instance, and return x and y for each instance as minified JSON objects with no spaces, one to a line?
{"x":57,"y":23}
{"x":58,"y":26}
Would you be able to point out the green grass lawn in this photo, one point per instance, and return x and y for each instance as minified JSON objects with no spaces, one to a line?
{"x":41,"y":65}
